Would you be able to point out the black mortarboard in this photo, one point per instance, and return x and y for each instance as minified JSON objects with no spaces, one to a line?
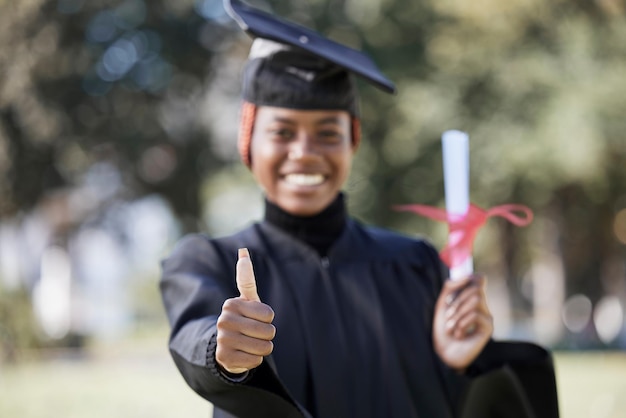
{"x":295,"y":67}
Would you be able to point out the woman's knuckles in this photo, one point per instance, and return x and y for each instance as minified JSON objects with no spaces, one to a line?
{"x":248,"y":309}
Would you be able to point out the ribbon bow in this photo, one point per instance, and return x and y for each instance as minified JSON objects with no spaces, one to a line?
{"x":463,"y":228}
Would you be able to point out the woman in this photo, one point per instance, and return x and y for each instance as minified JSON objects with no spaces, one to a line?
{"x":322,"y":316}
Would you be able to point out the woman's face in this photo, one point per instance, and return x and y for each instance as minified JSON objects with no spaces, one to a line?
{"x":301,"y":158}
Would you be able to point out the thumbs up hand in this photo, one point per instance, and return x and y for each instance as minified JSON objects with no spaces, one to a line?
{"x":244,"y":328}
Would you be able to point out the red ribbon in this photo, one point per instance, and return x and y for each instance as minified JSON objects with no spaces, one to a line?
{"x":463,"y":228}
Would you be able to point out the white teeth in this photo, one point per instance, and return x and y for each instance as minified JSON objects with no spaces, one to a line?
{"x":304,"y":179}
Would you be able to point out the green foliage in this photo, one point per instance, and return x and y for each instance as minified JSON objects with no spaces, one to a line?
{"x":18,"y":330}
{"x":89,"y":82}
{"x":539,"y":86}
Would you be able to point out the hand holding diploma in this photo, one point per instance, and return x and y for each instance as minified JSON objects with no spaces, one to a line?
{"x":244,"y":328}
{"x":462,"y":324}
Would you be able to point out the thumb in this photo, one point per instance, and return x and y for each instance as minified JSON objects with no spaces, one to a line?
{"x":246,"y":283}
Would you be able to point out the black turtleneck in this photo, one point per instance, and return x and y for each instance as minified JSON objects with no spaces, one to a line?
{"x":318,"y":231}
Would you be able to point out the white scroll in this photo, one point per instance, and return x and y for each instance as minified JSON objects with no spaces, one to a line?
{"x":456,"y":180}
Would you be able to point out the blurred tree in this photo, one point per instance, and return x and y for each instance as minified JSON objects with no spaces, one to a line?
{"x":114,"y":82}
{"x":117,"y":91}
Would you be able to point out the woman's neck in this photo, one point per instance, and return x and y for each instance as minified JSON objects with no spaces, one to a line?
{"x":319,"y":231}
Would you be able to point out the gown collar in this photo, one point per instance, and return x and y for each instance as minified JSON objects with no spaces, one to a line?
{"x":319,"y":231}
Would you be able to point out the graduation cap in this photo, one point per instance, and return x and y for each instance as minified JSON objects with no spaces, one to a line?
{"x":295,"y":67}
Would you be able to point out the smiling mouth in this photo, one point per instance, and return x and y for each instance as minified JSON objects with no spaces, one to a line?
{"x":304,"y":179}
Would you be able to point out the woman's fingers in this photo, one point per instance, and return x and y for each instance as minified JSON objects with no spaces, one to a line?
{"x":462,"y":324}
{"x":245,"y":344}
{"x":456,"y":288}
{"x":244,"y":334}
{"x":466,"y":308}
{"x":236,"y":362}
{"x":243,"y":314}
{"x":238,"y":323}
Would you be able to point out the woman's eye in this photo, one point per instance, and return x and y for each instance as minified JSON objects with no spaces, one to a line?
{"x":282,"y":134}
{"x":330,"y":136}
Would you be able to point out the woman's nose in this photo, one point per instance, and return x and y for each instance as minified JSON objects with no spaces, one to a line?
{"x":302,"y":147}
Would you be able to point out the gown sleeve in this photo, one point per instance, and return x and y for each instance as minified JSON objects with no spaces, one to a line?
{"x":197,"y":279}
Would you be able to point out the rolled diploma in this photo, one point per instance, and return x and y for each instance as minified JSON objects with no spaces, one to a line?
{"x":456,"y":182}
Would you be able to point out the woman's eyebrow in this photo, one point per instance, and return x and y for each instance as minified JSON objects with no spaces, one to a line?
{"x":327,"y":120}
{"x":284,"y":120}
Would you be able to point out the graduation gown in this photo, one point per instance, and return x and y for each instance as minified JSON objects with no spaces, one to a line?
{"x":354,"y":331}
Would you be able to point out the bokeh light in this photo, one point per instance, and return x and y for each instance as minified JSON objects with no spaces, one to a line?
{"x":152,"y":74}
{"x":576,"y":313}
{"x":212,"y":10}
{"x":127,"y":53}
{"x":52,"y":294}
{"x":619,"y":226}
{"x":608,"y":318}
{"x":117,"y":60}
{"x":102,"y":27}
{"x":157,"y":163}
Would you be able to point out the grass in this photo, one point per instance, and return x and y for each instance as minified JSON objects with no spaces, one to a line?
{"x":592,"y":384}
{"x":137,"y":379}
{"x":131,"y":379}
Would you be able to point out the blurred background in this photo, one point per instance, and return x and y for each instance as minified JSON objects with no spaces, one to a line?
{"x":118,"y":123}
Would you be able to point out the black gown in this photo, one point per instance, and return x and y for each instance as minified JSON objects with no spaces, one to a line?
{"x":353,"y":332}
